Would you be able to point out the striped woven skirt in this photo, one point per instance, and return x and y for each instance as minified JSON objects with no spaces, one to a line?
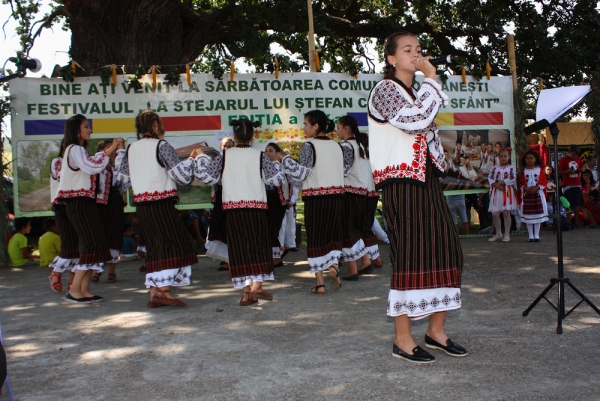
{"x":275,"y":215}
{"x":533,"y":209}
{"x":170,"y":254}
{"x":93,"y":247}
{"x":323,"y":217}
{"x":353,"y":246}
{"x":366,"y":227}
{"x":112,"y":218}
{"x":425,"y":250}
{"x":249,"y":247}
{"x":69,"y":243}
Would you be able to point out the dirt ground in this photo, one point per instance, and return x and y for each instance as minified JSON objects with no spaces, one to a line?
{"x":302,"y":346}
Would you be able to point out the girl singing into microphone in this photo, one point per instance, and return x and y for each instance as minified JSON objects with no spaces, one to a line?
{"x":407,"y":158}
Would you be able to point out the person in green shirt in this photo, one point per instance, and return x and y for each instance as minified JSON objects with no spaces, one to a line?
{"x":17,"y":246}
{"x":49,"y":243}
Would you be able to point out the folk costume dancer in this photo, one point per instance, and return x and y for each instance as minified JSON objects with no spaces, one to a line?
{"x":503,"y":194}
{"x":244,"y":171}
{"x":533,"y":208}
{"x":355,"y":198}
{"x":110,"y":203}
{"x":216,"y":239}
{"x":69,"y":245}
{"x":152,"y":169}
{"x":321,"y":171}
{"x":77,"y":188}
{"x":406,"y":159}
{"x":277,"y":205}
{"x":287,"y":234}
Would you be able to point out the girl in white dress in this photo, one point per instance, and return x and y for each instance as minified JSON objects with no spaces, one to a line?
{"x":503,"y":190}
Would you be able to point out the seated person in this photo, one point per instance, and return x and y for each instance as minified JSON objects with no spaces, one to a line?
{"x":17,"y":246}
{"x":591,"y":207}
{"x":128,"y":250}
{"x":49,"y":243}
{"x":192,"y":222}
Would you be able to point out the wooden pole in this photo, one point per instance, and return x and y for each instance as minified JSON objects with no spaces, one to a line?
{"x":311,"y":38}
{"x":512,"y":60}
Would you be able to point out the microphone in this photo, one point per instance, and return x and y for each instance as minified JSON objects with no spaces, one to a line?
{"x":32,"y":64}
{"x":449,"y":59}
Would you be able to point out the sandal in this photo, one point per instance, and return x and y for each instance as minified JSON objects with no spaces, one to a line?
{"x":159,"y":297}
{"x":334,"y":280}
{"x":112,"y":278}
{"x":95,"y":277}
{"x":57,"y":287}
{"x":248,"y":301}
{"x":315,"y":290}
{"x":261,"y":295}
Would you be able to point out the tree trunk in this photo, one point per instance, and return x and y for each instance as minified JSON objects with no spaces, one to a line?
{"x":141,"y":32}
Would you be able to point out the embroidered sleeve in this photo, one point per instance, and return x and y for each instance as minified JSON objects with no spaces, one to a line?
{"x":413,"y":118}
{"x":209,"y":171}
{"x":294,"y":195}
{"x":348,"y":151}
{"x":121,"y":172}
{"x":492,"y":176}
{"x":181,"y":171}
{"x":510,"y":178}
{"x":79,"y":158}
{"x":297,"y":172}
{"x":55,"y":168}
{"x":272,"y":172}
{"x":542,"y":182}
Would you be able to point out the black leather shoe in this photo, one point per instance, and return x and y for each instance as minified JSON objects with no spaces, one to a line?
{"x":353,"y":277}
{"x":419,"y":355}
{"x":451,"y":348}
{"x":366,"y":270}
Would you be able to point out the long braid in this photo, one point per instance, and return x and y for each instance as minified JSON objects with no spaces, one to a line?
{"x":144,"y":122}
{"x":361,"y":141}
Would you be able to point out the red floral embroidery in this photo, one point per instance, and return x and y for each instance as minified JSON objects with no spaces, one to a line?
{"x":155,"y":196}
{"x":323,"y":191}
{"x":244,"y":204}
{"x":282,"y":199}
{"x":79,"y":193}
{"x":102,"y":197}
{"x":415,"y":170}
{"x":356,"y":190}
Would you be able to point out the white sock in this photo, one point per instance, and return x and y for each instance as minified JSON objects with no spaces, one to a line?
{"x":536,"y":230}
{"x":530,"y":230}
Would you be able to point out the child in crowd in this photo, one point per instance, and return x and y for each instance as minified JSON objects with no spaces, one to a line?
{"x":502,"y":179}
{"x":49,"y":243}
{"x":570,"y":168}
{"x":532,"y":183}
{"x":128,"y":250}
{"x":17,"y":246}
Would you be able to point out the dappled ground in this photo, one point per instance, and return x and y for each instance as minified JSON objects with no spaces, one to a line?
{"x":304,"y":346}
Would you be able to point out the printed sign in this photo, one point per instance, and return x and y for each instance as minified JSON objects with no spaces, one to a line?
{"x":479,"y":113}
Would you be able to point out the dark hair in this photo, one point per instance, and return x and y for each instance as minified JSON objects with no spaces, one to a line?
{"x":575,"y":148}
{"x":102,"y":144}
{"x":21,"y":223}
{"x":126,"y":227}
{"x":538,"y":161}
{"x":389,"y":49}
{"x":593,"y":194}
{"x":243,"y":129}
{"x":552,"y":173}
{"x":275,"y":146}
{"x":318,"y":117}
{"x":61,"y":149}
{"x":72,"y":129}
{"x":49,"y":223}
{"x":144,"y":122}
{"x":361,"y":139}
{"x":588,"y":171}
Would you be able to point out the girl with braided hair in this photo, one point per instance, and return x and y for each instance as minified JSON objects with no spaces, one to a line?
{"x":152,"y":169}
{"x":358,"y":184}
{"x":243,"y":172}
{"x":321,"y":170}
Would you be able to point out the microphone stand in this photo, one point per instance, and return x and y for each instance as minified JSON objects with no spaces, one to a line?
{"x":561,"y":280}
